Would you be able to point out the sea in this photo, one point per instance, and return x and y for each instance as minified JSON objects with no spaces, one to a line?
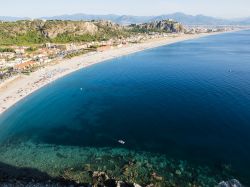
{"x":175,"y":115}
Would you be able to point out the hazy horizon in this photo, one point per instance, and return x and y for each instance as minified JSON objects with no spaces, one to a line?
{"x":227,"y":9}
{"x":83,"y":13}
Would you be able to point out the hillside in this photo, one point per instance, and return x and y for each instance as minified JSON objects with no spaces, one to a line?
{"x":38,"y":31}
{"x":28,"y":32}
{"x":161,"y":26}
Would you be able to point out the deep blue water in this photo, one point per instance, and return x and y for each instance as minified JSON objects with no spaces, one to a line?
{"x":189,"y":100}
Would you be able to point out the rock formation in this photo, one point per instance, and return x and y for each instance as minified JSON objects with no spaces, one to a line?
{"x":164,"y":25}
{"x":230,"y":183}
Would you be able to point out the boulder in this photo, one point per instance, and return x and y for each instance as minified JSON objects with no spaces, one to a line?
{"x":230,"y":183}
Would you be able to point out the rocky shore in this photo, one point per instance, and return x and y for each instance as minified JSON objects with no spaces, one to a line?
{"x":100,"y":181}
{"x":34,"y":164}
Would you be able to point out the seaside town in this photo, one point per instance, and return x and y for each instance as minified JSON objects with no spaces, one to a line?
{"x":23,"y":59}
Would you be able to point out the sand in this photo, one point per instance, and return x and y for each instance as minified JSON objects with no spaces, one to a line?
{"x":18,"y":87}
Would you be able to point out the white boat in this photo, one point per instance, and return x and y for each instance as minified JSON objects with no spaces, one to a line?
{"x":121,"y":141}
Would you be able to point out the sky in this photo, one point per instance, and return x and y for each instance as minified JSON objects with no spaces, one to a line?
{"x":39,"y":8}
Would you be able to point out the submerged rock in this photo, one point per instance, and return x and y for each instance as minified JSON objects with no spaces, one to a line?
{"x":157,"y":177}
{"x":230,"y":183}
{"x":99,"y":178}
{"x":125,"y":184}
{"x":104,"y":167}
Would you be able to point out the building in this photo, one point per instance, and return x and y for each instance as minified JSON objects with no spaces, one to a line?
{"x":104,"y":48}
{"x":2,"y":63}
{"x":7,"y":55}
{"x":24,"y":65}
{"x":20,"y":50}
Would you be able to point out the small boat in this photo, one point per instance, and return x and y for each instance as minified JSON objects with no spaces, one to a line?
{"x":121,"y":142}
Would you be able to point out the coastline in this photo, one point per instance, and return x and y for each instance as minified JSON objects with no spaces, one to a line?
{"x":19,"y":87}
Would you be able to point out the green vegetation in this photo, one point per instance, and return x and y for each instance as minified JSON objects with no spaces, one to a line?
{"x":30,"y":33}
{"x":30,"y":70}
{"x":38,"y":32}
{"x":138,"y":30}
{"x":2,"y":50}
{"x":6,"y":72}
{"x":103,"y":35}
{"x":67,"y":38}
{"x":78,"y":53}
{"x":107,"y":32}
{"x":29,"y":38}
{"x":32,"y":49}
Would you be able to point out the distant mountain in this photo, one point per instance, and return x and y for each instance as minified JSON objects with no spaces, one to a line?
{"x":124,"y":19}
{"x":180,"y":17}
{"x":9,"y":18}
{"x":193,"y":20}
{"x":128,"y":19}
{"x":244,"y":21}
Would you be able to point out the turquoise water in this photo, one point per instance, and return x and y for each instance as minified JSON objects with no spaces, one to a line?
{"x":182,"y":109}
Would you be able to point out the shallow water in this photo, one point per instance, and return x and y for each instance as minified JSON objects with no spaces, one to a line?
{"x":187,"y":101}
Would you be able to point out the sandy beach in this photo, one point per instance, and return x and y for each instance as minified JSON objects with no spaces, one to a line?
{"x":18,"y":87}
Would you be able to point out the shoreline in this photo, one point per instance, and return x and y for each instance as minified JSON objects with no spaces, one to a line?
{"x":17,"y":88}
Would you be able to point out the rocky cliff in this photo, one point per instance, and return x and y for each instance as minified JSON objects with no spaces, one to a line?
{"x":52,"y":29}
{"x":164,"y":26}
